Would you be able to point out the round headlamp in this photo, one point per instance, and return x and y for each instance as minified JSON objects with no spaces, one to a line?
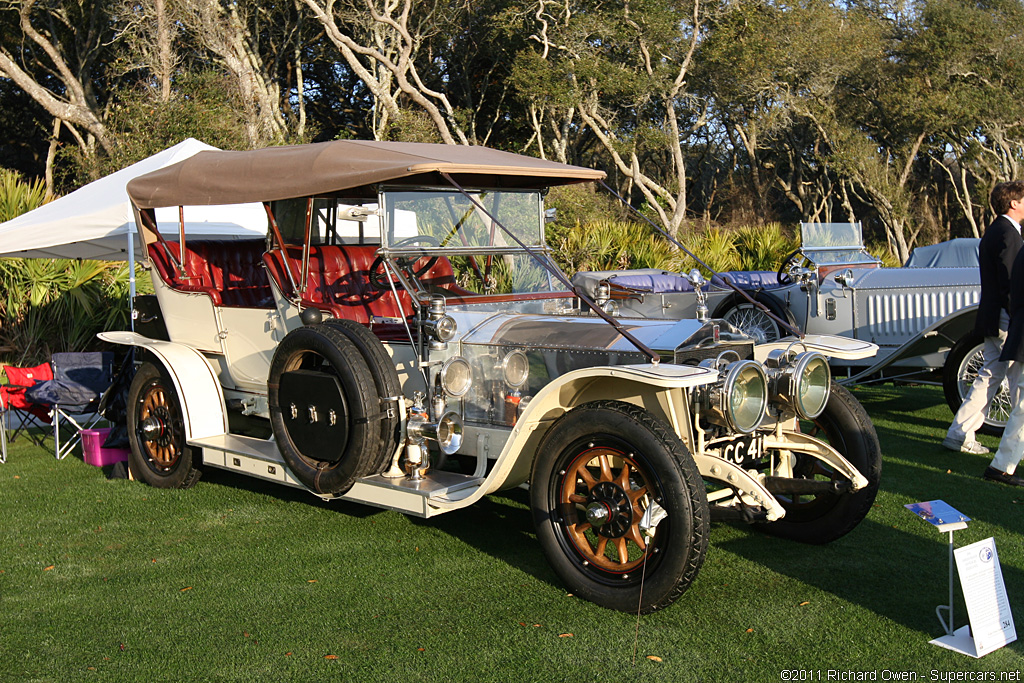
{"x":515,"y":368}
{"x":745,"y":392}
{"x":738,"y":400}
{"x":800,"y":383}
{"x":811,"y":378}
{"x":456,"y":376}
{"x":444,"y":328}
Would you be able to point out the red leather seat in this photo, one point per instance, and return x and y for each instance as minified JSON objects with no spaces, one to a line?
{"x":339,"y":282}
{"x":229,"y":271}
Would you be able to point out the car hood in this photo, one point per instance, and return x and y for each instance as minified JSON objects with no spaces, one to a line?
{"x":902,"y":278}
{"x":570,"y":332}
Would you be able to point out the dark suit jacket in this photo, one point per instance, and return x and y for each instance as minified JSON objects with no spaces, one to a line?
{"x":996,"y":253}
{"x":1013,"y":347}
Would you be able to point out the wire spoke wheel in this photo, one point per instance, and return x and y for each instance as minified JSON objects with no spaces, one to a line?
{"x":754,"y":322}
{"x":998,"y":411}
{"x":963,"y":363}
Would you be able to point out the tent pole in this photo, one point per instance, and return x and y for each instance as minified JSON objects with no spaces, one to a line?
{"x":131,"y":275}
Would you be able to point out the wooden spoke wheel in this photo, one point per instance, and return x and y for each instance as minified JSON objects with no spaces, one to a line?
{"x":599,"y":469}
{"x":603,"y":496}
{"x":159,"y":455}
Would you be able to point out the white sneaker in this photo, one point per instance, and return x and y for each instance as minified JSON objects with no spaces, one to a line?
{"x":972,"y":447}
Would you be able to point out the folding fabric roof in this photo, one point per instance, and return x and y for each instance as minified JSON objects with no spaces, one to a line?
{"x":273,"y":173}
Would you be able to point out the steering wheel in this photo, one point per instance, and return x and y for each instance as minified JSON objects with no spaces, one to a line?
{"x":379,"y":276}
{"x":792,"y":261}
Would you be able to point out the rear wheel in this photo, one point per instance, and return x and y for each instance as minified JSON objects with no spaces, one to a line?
{"x":156,"y":432}
{"x":961,"y":368}
{"x":752,"y":320}
{"x":821,"y":518}
{"x":600,"y":468}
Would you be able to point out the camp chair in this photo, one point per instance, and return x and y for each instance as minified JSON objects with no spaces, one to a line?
{"x":17,"y":413}
{"x":73,"y":395}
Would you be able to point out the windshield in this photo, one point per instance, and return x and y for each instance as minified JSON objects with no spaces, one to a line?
{"x":448,"y":231}
{"x":834,"y":244}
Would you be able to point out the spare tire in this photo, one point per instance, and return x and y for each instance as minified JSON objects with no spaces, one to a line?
{"x":324,"y":407}
{"x":385,"y":378}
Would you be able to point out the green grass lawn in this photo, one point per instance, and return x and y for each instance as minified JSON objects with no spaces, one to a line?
{"x":110,"y":580}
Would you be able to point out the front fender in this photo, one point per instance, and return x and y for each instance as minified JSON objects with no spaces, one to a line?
{"x":657,"y":388}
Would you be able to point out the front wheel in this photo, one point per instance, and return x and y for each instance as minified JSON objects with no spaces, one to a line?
{"x":821,"y":518}
{"x":156,"y":432}
{"x":752,"y":320}
{"x":599,"y":469}
{"x":958,"y":374}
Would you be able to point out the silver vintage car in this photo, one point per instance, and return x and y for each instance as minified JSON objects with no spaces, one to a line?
{"x":403,"y":339}
{"x":921,"y":316}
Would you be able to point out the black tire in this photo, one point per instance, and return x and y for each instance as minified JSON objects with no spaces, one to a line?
{"x":326,"y":454}
{"x":156,"y":432}
{"x":385,"y":379}
{"x":962,"y":364}
{"x":610,"y":442}
{"x":823,"y":518}
{"x":753,"y":321}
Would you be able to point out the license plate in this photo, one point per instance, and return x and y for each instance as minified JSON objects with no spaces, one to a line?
{"x":743,"y":449}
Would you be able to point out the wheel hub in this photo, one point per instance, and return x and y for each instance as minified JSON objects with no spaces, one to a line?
{"x":598,"y":514}
{"x":609,"y":510}
{"x":153,"y":428}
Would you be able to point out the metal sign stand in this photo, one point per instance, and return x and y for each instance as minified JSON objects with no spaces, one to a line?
{"x":946,"y":519}
{"x":948,"y":626}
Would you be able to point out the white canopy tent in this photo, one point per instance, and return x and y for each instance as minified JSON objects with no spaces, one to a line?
{"x":94,"y":222}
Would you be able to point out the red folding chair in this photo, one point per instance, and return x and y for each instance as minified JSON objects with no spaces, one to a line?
{"x":15,"y":407}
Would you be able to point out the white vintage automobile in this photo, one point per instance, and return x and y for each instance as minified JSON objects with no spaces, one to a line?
{"x":921,"y":316}
{"x":402,"y":339}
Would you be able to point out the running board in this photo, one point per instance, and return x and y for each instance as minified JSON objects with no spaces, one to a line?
{"x":248,"y":455}
{"x":261,"y":458}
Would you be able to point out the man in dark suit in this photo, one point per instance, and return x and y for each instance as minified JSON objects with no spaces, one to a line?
{"x":997,"y":252}
{"x":1011,"y":446}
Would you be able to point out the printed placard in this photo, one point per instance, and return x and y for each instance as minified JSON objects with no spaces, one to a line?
{"x":988,"y":608}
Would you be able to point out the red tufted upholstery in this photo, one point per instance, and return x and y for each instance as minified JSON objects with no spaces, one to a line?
{"x":339,"y":282}
{"x":229,"y":271}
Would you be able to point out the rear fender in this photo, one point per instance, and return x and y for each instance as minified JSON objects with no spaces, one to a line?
{"x":202,"y":397}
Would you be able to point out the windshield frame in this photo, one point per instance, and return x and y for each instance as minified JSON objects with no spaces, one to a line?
{"x":391,"y":196}
{"x":501,"y":247}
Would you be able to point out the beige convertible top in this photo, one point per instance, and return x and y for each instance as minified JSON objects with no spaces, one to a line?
{"x":217,"y":177}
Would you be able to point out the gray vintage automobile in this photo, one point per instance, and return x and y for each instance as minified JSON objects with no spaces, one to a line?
{"x":921,"y":316}
{"x":402,"y":339}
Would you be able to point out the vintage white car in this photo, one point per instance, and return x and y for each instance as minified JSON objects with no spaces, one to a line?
{"x":403,"y":339}
{"x":921,"y":316}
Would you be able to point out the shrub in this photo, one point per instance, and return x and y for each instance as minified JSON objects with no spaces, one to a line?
{"x":49,"y":305}
{"x":763,"y":247}
{"x":612,"y":245}
{"x":53,"y":305}
{"x":18,"y":196}
{"x":713,"y":246}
